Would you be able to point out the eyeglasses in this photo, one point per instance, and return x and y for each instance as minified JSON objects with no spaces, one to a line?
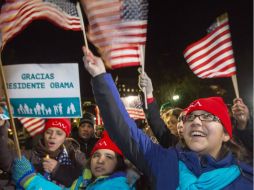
{"x":203,"y":117}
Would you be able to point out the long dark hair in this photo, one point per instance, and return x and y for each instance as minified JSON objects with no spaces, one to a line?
{"x":121,"y":165}
{"x":239,"y":151}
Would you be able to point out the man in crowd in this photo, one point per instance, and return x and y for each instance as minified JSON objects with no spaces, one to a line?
{"x":85,"y":135}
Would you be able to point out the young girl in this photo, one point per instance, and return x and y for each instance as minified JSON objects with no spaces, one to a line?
{"x":105,"y":171}
{"x":55,"y":156}
{"x":209,"y":160}
{"x":107,"y":167}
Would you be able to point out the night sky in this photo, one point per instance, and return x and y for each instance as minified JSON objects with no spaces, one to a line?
{"x":172,"y":25}
{"x":176,"y":24}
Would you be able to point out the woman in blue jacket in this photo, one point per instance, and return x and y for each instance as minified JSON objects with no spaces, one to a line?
{"x":209,"y":160}
{"x":106,"y":171}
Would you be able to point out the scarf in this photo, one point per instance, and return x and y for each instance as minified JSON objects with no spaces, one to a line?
{"x":214,"y":180}
{"x":62,"y":158}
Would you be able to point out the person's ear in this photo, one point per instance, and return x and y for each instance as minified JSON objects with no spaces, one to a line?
{"x":226,"y":137}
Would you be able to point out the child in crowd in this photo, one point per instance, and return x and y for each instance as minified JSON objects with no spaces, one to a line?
{"x":105,"y":171}
{"x":55,"y":156}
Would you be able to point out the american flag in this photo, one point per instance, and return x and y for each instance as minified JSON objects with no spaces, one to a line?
{"x":17,"y":14}
{"x":33,"y":126}
{"x":98,"y":120}
{"x":212,"y":56}
{"x":118,"y":29}
{"x":136,"y":113}
{"x":133,"y":106}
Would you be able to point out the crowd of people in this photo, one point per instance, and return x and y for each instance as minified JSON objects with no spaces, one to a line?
{"x":202,"y":146}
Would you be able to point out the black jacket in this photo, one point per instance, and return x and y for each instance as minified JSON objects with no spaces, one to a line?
{"x":87,"y":146}
{"x":159,"y":128}
{"x":245,"y":137}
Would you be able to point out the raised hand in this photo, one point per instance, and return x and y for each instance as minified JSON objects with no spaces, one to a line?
{"x":145,"y":82}
{"x":240,"y":113}
{"x":94,"y":65}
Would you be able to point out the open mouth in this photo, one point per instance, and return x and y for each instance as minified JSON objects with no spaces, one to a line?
{"x":198,"y":134}
{"x":50,"y":144}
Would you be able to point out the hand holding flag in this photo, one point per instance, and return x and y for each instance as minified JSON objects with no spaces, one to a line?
{"x":117,"y":28}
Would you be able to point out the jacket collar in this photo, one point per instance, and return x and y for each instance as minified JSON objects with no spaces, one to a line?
{"x":199,"y":164}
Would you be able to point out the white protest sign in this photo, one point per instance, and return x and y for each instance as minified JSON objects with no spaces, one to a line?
{"x":44,"y":90}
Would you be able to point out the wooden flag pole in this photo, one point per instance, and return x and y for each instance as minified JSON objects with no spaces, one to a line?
{"x":82,"y":24}
{"x":234,"y":80}
{"x":15,"y":137}
{"x":142,"y":61}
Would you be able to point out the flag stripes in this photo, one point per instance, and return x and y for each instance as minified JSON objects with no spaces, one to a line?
{"x":123,"y":56}
{"x":33,"y":126}
{"x":117,"y":28}
{"x":18,"y":14}
{"x":107,"y":25}
{"x":212,"y":56}
{"x":133,"y":106}
{"x":136,"y":113}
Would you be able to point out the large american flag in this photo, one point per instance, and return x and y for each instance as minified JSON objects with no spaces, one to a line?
{"x":212,"y":56}
{"x":17,"y":14}
{"x":118,"y":29}
{"x":33,"y":126}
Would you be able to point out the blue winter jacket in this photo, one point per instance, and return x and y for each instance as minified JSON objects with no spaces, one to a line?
{"x":160,"y":164}
{"x":117,"y":181}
